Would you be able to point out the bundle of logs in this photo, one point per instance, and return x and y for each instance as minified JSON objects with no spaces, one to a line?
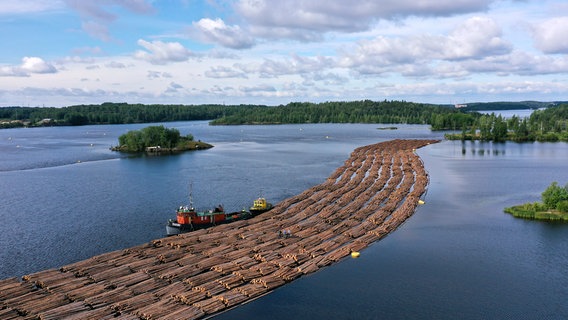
{"x":200,"y":273}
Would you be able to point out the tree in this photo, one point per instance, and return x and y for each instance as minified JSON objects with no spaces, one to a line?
{"x":554,"y":194}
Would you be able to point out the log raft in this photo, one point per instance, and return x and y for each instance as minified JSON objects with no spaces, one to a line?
{"x":198,"y":274}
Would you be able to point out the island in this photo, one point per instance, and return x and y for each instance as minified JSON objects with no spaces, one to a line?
{"x":554,"y":205}
{"x":158,"y":139}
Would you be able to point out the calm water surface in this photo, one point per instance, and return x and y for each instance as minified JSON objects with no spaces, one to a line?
{"x":65,"y":197}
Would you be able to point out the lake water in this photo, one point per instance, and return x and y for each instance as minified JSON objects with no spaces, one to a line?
{"x":65,"y":197}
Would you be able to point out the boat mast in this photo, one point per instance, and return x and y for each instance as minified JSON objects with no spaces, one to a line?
{"x":191,"y":195}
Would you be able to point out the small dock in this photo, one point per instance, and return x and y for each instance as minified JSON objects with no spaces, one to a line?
{"x":201,"y":273}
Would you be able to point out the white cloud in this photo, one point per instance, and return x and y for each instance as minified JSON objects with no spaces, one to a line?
{"x":97,"y":15}
{"x":421,"y":50}
{"x":550,"y":36}
{"x":475,"y":38}
{"x":519,"y":63}
{"x":158,"y":52}
{"x":29,"y":6}
{"x":28,"y":66}
{"x":296,"y":65}
{"x":115,"y":65}
{"x":258,"y":89}
{"x":173,"y":87}
{"x":97,"y":30}
{"x":36,"y":65}
{"x":308,"y":20}
{"x":158,"y":74}
{"x":224,"y":72}
{"x":217,"y":31}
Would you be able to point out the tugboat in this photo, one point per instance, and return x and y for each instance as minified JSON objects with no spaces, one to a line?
{"x":260,"y":205}
{"x":189,"y":219}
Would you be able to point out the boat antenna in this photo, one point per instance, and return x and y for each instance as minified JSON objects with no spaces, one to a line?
{"x":191,"y":195}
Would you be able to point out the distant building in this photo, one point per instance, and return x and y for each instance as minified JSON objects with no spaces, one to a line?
{"x":154,"y":149}
{"x":459,"y":106}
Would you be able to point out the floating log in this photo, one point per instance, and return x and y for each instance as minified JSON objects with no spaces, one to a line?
{"x":210,"y":306}
{"x":64,"y":311}
{"x":232,"y":298}
{"x":197,"y":274}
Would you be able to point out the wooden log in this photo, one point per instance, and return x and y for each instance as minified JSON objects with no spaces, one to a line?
{"x":239,"y":252}
{"x":149,"y":285}
{"x":138,"y":263}
{"x":232,"y":298}
{"x":226,"y":268}
{"x":134,"y":302}
{"x":10,"y":314}
{"x":210,"y":288}
{"x":186,"y":312}
{"x":158,"y":309}
{"x":189,"y":259}
{"x":220,"y":250}
{"x":247,"y":274}
{"x":102,"y":313}
{"x":372,"y":194}
{"x":252,"y":290}
{"x":245,"y":262}
{"x":264,"y":268}
{"x":179,"y":273}
{"x":11,"y":287}
{"x":209,"y":262}
{"x":64,"y":311}
{"x":201,"y":278}
{"x":287,"y":273}
{"x":231,"y":281}
{"x":284,"y":262}
{"x":107,"y":297}
{"x":172,"y":289}
{"x":82,"y":293}
{"x":269,"y":281}
{"x":112,"y":273}
{"x":266,"y":256}
{"x":43,"y":301}
{"x":190,"y":297}
{"x":210,"y":306}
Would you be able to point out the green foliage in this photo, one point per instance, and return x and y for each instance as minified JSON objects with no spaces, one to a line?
{"x":550,"y":124}
{"x":365,"y":111}
{"x":554,"y":205}
{"x":152,"y":136}
{"x":118,"y":113}
{"x":554,"y":194}
{"x":562,"y":206}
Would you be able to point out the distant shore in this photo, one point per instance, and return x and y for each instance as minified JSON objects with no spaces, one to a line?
{"x":550,"y":215}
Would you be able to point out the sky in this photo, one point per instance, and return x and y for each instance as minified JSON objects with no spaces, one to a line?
{"x":58,"y":53}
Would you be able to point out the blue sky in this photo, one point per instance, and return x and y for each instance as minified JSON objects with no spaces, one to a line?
{"x":65,"y":52}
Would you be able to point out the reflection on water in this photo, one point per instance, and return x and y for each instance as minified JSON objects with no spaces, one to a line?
{"x":481,"y":148}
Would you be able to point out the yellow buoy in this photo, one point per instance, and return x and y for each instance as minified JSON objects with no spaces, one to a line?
{"x":420,"y":201}
{"x":355,"y":254}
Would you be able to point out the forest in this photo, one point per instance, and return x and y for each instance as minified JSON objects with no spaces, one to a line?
{"x":549,"y":124}
{"x":365,"y":111}
{"x":110,"y":113}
